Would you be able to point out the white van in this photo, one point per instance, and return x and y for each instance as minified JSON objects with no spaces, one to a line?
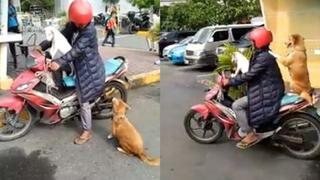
{"x":201,"y":50}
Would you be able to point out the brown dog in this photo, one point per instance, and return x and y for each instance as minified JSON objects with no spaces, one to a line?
{"x":296,"y":62}
{"x":130,"y":141}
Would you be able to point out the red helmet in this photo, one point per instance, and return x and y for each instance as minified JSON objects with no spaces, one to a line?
{"x":261,"y":37}
{"x":80,"y":12}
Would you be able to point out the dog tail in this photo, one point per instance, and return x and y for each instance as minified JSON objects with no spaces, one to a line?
{"x":149,"y":160}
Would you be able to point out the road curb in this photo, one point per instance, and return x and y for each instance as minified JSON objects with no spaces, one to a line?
{"x":143,"y":33}
{"x":144,"y":79}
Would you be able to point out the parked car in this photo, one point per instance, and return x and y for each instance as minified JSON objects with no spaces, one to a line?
{"x":202,"y":49}
{"x":168,"y":38}
{"x":183,"y":42}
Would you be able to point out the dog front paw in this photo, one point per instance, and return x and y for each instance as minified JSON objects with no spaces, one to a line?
{"x":110,"y":136}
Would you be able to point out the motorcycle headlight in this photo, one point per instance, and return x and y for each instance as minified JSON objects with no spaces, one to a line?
{"x":22,"y":87}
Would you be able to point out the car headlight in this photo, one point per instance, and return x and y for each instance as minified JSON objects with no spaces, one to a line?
{"x":22,"y":87}
{"x":198,"y":53}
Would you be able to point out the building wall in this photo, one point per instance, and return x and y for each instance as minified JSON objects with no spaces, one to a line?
{"x":295,"y":16}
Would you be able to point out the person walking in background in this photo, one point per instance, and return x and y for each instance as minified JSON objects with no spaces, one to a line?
{"x":13,"y":26}
{"x":111,"y":29}
{"x":152,"y":40}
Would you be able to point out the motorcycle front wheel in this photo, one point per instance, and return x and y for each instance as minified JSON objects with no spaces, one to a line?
{"x":301,"y":134}
{"x":14,"y":126}
{"x":103,"y":108}
{"x":204,"y":131}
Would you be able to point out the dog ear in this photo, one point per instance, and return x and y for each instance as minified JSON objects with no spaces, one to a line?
{"x":295,"y":38}
{"x":123,"y":103}
{"x":115,"y":101}
{"x":127,"y":106}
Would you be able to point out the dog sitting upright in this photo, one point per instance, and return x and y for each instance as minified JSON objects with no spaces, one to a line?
{"x":296,"y":62}
{"x":129,"y":139}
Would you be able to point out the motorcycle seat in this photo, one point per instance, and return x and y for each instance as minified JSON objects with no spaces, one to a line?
{"x":290,"y":98}
{"x":111,"y":66}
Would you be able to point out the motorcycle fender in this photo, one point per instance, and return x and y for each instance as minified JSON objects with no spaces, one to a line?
{"x":12,"y":102}
{"x":124,"y":83}
{"x":201,"y":109}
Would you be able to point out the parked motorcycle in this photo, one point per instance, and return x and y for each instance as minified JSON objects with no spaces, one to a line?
{"x":34,"y":97}
{"x":138,"y":21}
{"x":296,"y":130}
{"x":100,"y":19}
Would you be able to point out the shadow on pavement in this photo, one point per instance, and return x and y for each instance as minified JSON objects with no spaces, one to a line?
{"x":16,"y":165}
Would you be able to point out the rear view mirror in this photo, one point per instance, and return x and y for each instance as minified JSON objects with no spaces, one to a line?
{"x":211,"y":39}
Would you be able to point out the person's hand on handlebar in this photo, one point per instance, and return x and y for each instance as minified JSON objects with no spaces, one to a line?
{"x":53,"y":65}
{"x":223,"y":81}
{"x":37,"y":48}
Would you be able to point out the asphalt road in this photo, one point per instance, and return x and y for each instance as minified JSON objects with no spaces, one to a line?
{"x":184,"y":159}
{"x":48,"y":153}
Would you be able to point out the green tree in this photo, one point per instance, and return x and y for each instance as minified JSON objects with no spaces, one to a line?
{"x":155,"y":4}
{"x":194,"y":14}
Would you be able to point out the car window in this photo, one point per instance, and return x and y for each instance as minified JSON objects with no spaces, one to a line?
{"x":183,"y":35}
{"x":169,"y":35}
{"x":186,"y":40}
{"x":239,"y":32}
{"x":220,"y":35}
{"x":202,"y":35}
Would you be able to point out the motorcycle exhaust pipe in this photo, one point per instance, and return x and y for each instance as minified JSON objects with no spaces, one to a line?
{"x":290,"y":139}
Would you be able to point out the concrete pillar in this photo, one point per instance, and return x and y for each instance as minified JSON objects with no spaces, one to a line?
{"x":5,"y":81}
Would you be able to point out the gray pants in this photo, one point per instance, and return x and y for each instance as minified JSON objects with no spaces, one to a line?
{"x":240,"y":107}
{"x":85,"y":114}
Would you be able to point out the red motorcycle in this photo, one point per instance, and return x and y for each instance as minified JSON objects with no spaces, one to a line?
{"x":34,"y":96}
{"x":296,"y":130}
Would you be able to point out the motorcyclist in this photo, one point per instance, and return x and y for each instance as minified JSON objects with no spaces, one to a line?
{"x":265,"y":89}
{"x":84,"y":55}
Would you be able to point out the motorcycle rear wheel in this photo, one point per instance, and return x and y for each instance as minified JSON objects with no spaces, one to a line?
{"x":203,"y":124}
{"x":8,"y":132}
{"x":104,"y":106}
{"x":295,"y":125}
